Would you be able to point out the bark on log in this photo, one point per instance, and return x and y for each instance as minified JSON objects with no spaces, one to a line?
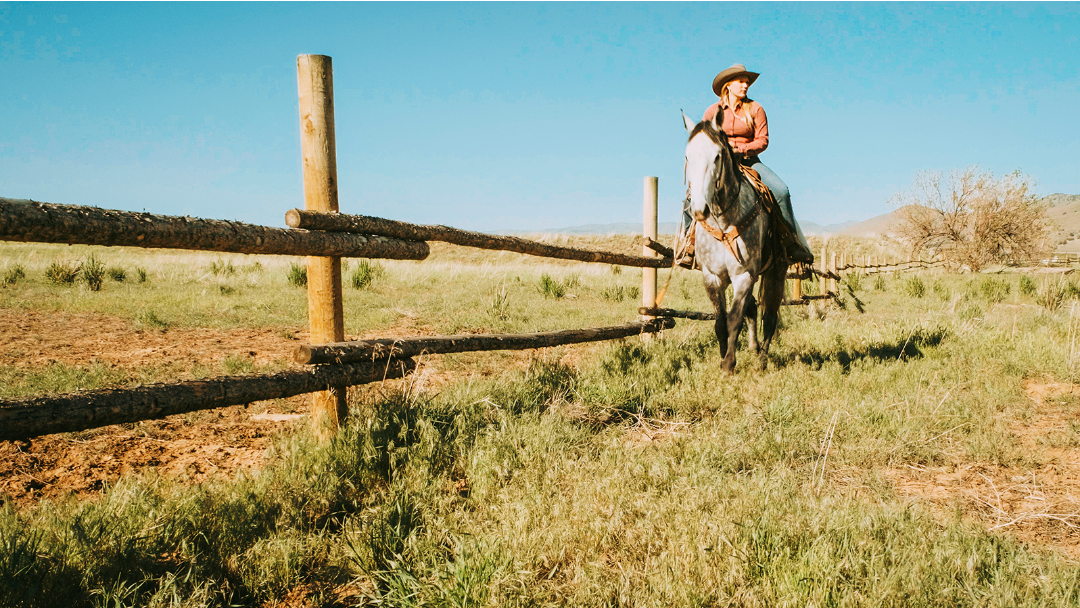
{"x":370,"y":350}
{"x":23,"y":418}
{"x":678,"y":314}
{"x":299,"y":218}
{"x":660,"y":248}
{"x":33,"y":222}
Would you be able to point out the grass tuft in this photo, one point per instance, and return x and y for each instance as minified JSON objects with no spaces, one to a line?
{"x":1028,"y":287}
{"x":1052,"y":293}
{"x":151,"y":319}
{"x":116,"y":273}
{"x":222,"y":268}
{"x":550,"y":288}
{"x":140,"y":275}
{"x":914,"y":286}
{"x":14,"y":274}
{"x":63,"y":273}
{"x":994,"y":289}
{"x":297,"y":275}
{"x":366,"y":272}
{"x":93,"y":273}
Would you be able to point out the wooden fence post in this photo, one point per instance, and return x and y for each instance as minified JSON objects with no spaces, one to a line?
{"x":824,"y":261}
{"x":833,"y":287}
{"x":649,"y":228}
{"x":315,"y":80}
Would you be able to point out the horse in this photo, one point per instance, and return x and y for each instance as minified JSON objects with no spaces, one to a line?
{"x":727,"y":205}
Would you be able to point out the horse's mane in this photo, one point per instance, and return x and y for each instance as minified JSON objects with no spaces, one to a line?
{"x":706,"y":126}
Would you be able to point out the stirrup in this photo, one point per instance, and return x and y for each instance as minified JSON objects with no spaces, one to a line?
{"x":684,"y":251}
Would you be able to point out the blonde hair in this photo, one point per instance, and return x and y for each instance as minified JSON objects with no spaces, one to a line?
{"x":742,"y":105}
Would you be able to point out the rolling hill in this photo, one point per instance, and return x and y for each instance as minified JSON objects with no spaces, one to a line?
{"x":1064,"y":211}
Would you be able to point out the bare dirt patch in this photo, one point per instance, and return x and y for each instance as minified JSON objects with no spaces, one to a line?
{"x":1038,"y":503}
{"x":191,"y":447}
{"x":31,"y":338}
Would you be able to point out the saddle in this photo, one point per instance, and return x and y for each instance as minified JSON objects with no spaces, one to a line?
{"x":767,"y":202}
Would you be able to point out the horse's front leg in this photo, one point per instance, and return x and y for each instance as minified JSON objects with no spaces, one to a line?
{"x":715,"y":288}
{"x":744,"y":286}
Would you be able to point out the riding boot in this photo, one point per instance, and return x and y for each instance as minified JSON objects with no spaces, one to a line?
{"x":798,"y":251}
{"x":684,"y":243}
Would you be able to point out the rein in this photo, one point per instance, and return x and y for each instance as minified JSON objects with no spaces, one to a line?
{"x":764,"y":199}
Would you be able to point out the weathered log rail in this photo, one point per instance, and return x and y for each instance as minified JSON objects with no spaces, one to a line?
{"x":30,"y":221}
{"x":670,"y":313}
{"x":363,"y":224}
{"x":21,"y":418}
{"x":373,"y":350}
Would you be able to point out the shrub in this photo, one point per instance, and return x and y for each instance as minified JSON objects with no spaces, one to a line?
{"x":366,"y":272}
{"x":550,"y":288}
{"x":62,"y":273}
{"x":616,"y":269}
{"x":994,"y":289}
{"x":13,"y":274}
{"x":972,"y":217}
{"x":93,"y":272}
{"x":879,"y":283}
{"x":297,"y":275}
{"x":140,"y":275}
{"x":914,"y":286}
{"x":226,"y":290}
{"x":116,"y":273}
{"x":1027,"y":285}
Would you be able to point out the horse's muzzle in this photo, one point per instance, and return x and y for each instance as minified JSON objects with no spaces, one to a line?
{"x":702,"y":215}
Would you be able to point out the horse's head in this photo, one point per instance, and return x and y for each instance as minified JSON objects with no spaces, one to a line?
{"x":709,"y":169}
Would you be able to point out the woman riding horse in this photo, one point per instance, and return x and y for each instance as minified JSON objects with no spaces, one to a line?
{"x":743,"y":121}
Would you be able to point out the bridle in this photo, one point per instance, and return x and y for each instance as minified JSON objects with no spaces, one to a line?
{"x":729,"y":236}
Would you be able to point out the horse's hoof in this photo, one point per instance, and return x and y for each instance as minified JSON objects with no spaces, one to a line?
{"x":763,"y":362}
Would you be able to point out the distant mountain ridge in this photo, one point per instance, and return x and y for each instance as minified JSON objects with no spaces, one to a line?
{"x":809,"y":228}
{"x":1064,"y":210}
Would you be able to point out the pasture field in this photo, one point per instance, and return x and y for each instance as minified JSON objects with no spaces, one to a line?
{"x":922,"y":452}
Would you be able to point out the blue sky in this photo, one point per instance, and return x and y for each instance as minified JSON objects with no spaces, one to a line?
{"x":523,"y":116}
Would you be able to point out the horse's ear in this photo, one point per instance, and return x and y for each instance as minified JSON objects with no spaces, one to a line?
{"x":689,"y":124}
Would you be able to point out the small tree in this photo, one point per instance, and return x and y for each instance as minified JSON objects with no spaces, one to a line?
{"x":973,"y":218}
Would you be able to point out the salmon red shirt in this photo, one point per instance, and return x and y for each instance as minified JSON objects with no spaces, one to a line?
{"x":743,"y":138}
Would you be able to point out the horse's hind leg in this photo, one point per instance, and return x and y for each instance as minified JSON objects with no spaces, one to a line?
{"x":715,"y":288}
{"x":772,"y":296}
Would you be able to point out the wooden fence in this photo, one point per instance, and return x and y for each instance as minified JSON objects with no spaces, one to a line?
{"x":325,"y":236}
{"x":320,"y":232}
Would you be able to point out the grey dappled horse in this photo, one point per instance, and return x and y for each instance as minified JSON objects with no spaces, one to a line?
{"x":721,"y":196}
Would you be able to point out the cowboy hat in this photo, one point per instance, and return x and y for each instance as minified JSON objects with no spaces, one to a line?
{"x":730,"y":74}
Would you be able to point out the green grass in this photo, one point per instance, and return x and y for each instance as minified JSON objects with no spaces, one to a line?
{"x":639,"y":474}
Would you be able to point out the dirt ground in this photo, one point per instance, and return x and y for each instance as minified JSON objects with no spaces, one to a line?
{"x":190,"y":447}
{"x":1038,"y":501}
